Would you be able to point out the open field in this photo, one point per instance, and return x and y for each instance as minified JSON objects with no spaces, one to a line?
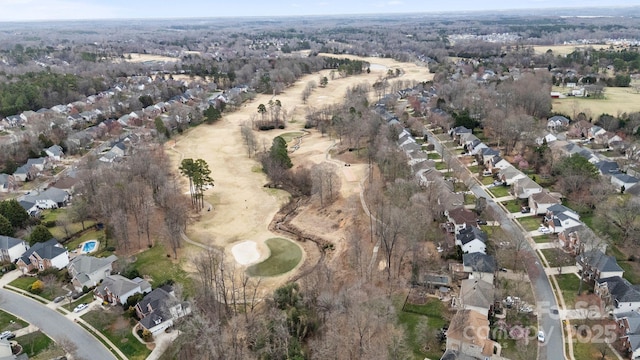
{"x":617,"y":101}
{"x":242,"y":207}
{"x":136,"y":58}
{"x":566,"y":49}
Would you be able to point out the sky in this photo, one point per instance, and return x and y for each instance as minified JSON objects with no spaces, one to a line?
{"x":21,"y":10}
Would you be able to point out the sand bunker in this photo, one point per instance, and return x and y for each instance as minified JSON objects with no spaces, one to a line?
{"x":246,"y":252}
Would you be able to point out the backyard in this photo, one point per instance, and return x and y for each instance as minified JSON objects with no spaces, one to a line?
{"x":412,"y":315}
{"x":160,"y":268}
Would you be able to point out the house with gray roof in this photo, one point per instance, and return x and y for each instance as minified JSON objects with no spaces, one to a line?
{"x":11,"y":249}
{"x":557,"y":122}
{"x":619,"y":293}
{"x":477,"y":295}
{"x":54,"y":152}
{"x":116,"y":289}
{"x":510,"y":175}
{"x":89,"y":271}
{"x":524,"y":187}
{"x":632,"y":344}
{"x":595,"y":264}
{"x":619,"y":180}
{"x":607,"y":167}
{"x":22,"y":173}
{"x":52,"y":198}
{"x":471,"y":239}
{"x":160,"y":308}
{"x":479,"y":266}
{"x":43,"y":256}
{"x":540,"y":202}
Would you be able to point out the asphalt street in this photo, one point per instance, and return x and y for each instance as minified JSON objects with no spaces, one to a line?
{"x":54,"y":324}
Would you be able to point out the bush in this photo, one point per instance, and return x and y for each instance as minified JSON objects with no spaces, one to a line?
{"x":49,"y":224}
{"x":36,"y":287}
{"x":146,"y":335}
{"x":111,"y":248}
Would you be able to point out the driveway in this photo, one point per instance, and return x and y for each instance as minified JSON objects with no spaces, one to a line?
{"x":54,"y":324}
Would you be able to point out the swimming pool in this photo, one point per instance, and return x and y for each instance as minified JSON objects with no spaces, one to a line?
{"x":89,"y":246}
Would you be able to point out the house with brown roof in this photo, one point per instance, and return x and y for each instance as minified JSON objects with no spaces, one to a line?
{"x":468,"y":334}
{"x":460,"y":218}
{"x":540,"y":202}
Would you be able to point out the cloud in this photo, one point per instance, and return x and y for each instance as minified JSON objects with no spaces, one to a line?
{"x":395,"y":2}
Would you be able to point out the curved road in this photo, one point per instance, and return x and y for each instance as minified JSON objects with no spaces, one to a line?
{"x":552,"y":348}
{"x":54,"y":324}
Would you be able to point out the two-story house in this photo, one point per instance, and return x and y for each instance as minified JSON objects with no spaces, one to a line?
{"x":160,"y":308}
{"x":11,"y":249}
{"x":43,"y":256}
{"x":116,"y":289}
{"x":89,"y":271}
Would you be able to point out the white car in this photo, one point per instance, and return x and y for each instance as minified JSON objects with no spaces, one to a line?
{"x":541,"y":336}
{"x":544,"y":230}
{"x":80,"y":308}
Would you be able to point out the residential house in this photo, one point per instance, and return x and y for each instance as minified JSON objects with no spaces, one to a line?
{"x":11,"y":249}
{"x":159,"y":309}
{"x":66,"y":183}
{"x":5,"y":183}
{"x":619,"y":293}
{"x":580,"y":129}
{"x":43,"y":256}
{"x":116,"y":152}
{"x":22,"y":173}
{"x":569,"y":239}
{"x":54,"y":152}
{"x":557,"y":223}
{"x":540,"y":202}
{"x":468,"y":334}
{"x":628,"y":323}
{"x":558,"y":209}
{"x":38,"y":163}
{"x":557,"y":123}
{"x":89,"y":271}
{"x":524,"y":187}
{"x":632,"y":344}
{"x":52,"y":198}
{"x":510,"y":175}
{"x":479,"y":266}
{"x":116,"y":289}
{"x":487,"y":154}
{"x":621,"y":180}
{"x":29,"y":207}
{"x":549,"y":138}
{"x":595,"y":265}
{"x":596,"y":132}
{"x":498,"y":162}
{"x":608,"y":168}
{"x":477,"y":295}
{"x":460,"y":217}
{"x":471,"y":239}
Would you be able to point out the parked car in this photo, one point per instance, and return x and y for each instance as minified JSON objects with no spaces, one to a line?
{"x":7,"y":335}
{"x":544,"y":230}
{"x":525,"y":210}
{"x":80,"y":308}
{"x":541,"y":336}
{"x":503,"y":269}
{"x":58,"y":299}
{"x":481,"y":222}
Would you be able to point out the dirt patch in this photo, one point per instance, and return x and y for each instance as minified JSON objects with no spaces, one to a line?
{"x":137,"y":58}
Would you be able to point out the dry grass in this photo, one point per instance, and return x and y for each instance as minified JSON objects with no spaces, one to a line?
{"x":566,"y":49}
{"x":137,"y":58}
{"x":617,"y":100}
{"x":242,"y":207}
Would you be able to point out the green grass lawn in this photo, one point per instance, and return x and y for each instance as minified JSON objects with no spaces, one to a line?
{"x":500,"y":191}
{"x":543,"y":239}
{"x":556,"y":257}
{"x":443,"y":137}
{"x":433,"y":156}
{"x":432,"y":312}
{"x":631,"y":271}
{"x":23,"y":282}
{"x":469,"y":199}
{"x":589,"y":350}
{"x":569,"y":285}
{"x":441,"y":165}
{"x":530,"y":223}
{"x":474,"y":169}
{"x":155,"y":263}
{"x":285,"y":255}
{"x":487,"y":180}
{"x":10,"y":322}
{"x":89,"y":235}
{"x":513,"y":206}
{"x":35,"y":343}
{"x":117,"y":328}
